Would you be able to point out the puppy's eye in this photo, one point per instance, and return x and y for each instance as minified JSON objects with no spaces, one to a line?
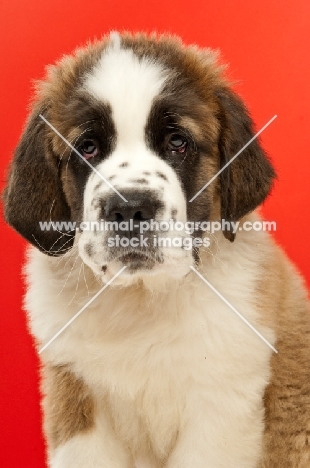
{"x":89,"y":149}
{"x":177,"y":143}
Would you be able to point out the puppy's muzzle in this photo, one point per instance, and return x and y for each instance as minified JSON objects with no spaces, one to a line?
{"x":133,"y":246}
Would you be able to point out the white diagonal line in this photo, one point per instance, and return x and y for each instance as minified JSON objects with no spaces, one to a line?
{"x":83,"y":159}
{"x":235,"y":310}
{"x":83,"y":308}
{"x":233,"y":158}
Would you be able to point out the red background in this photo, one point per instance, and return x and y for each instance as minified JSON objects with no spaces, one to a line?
{"x":265,"y":43}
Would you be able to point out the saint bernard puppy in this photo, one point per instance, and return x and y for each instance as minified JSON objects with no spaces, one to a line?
{"x":157,"y":370}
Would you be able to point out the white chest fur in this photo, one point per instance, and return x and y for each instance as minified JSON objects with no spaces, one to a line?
{"x":169,"y":361}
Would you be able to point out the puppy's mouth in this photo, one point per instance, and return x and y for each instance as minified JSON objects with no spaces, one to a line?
{"x":137,"y":260}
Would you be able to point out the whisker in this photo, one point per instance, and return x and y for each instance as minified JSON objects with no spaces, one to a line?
{"x":76,"y":287}
{"x":66,"y":256}
{"x":87,"y":121}
{"x":49,"y":252}
{"x":73,"y":140}
{"x":60,"y":237}
{"x":85,"y":279}
{"x":68,"y":276}
{"x":70,"y":257}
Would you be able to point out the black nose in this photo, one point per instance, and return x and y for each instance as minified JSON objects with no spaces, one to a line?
{"x":139,"y":207}
{"x":139,"y":210}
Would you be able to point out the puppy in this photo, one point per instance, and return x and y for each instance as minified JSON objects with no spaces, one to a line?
{"x":144,"y":360}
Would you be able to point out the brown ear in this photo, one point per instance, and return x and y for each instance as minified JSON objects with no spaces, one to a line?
{"x":34,"y":192}
{"x":246,"y":182}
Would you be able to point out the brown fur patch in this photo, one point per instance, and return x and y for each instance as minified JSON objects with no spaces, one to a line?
{"x":284,"y":306}
{"x":34,"y":167}
{"x":68,"y":405}
{"x":67,"y":73}
{"x":192,"y":127}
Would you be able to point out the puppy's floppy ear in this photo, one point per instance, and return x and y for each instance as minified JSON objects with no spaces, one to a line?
{"x":34,"y":192}
{"x":246,"y":182}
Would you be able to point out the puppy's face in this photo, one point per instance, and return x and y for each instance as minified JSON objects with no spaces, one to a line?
{"x":152,"y":122}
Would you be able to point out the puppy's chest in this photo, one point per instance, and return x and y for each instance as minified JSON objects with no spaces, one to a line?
{"x":130,"y":344}
{"x":150,"y":418}
{"x":151,"y":359}
{"x":157,"y":373}
{"x":152,"y":355}
{"x":141,"y":378}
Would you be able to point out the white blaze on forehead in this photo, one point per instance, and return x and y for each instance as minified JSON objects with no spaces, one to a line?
{"x":129,"y":85}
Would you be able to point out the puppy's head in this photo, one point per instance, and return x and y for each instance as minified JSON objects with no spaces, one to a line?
{"x":149,"y":122}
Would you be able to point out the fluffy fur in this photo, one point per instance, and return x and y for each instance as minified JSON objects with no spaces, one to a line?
{"x":157,"y":372}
